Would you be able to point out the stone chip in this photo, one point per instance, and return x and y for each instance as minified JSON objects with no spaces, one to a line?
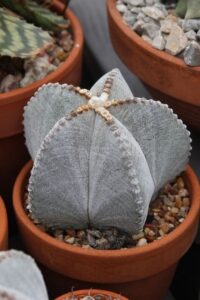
{"x":192,"y":54}
{"x":176,"y":41}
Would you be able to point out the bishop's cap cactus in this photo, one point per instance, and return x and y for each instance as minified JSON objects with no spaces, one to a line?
{"x":100,"y":156}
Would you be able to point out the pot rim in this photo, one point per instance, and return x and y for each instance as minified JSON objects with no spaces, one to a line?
{"x":134,"y":37}
{"x":3,"y":221}
{"x":14,"y":95}
{"x":106,"y":254}
{"x":93,"y":292}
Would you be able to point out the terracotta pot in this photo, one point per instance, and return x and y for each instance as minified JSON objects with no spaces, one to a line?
{"x":13,"y":153}
{"x":139,"y":273}
{"x":172,"y":81}
{"x":3,"y":226}
{"x":108,"y":295}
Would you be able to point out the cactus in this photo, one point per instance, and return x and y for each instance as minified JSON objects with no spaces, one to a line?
{"x":100,"y":156}
{"x":22,"y":39}
{"x":37,"y":14}
{"x":189,"y":9}
{"x":19,"y":38}
{"x":20,"y":278}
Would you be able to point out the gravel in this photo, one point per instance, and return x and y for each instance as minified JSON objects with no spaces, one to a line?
{"x":88,"y":297}
{"x":158,"y":25}
{"x":16,"y":73}
{"x":166,"y":213}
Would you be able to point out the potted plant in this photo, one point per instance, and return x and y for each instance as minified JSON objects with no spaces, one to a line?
{"x":168,"y":77}
{"x":12,"y":102}
{"x":21,"y":279}
{"x":3,"y":226}
{"x":99,"y":158}
{"x":91,"y":295}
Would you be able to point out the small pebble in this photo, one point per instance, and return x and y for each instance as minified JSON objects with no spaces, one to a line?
{"x":191,"y":35}
{"x":69,"y":240}
{"x":138,"y":236}
{"x":192,"y":58}
{"x":141,"y":242}
{"x":176,"y":41}
{"x":153,"y":12}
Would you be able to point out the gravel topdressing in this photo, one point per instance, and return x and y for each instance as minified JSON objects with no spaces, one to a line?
{"x":166,"y":213}
{"x":88,"y":297}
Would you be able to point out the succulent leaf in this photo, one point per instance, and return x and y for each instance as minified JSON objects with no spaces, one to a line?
{"x":101,"y":164}
{"x":20,"y":277}
{"x":20,"y":39}
{"x":193,"y":9}
{"x":190,"y":9}
{"x":37,"y":14}
{"x":181,"y":8}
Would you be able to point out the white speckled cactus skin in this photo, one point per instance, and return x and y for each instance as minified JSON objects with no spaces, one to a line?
{"x":20,"y":278}
{"x":100,"y":156}
{"x":189,"y":9}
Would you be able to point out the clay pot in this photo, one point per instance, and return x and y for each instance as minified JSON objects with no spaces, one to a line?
{"x":108,"y":295}
{"x":13,"y":153}
{"x":139,"y":273}
{"x":3,"y":226}
{"x":169,"y":79}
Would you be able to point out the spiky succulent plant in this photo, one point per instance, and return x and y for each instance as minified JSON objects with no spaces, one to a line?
{"x":100,"y":156}
{"x":20,"y":38}
{"x":20,"y":278}
{"x":189,"y":9}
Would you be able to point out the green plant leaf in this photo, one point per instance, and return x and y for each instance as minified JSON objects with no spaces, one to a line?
{"x":19,"y":38}
{"x":37,"y":14}
{"x":193,"y":9}
{"x":188,"y":9}
{"x":181,"y":8}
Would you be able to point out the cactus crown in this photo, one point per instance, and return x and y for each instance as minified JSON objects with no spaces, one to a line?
{"x":20,"y":38}
{"x":100,"y":156}
{"x":189,"y":9}
{"x":20,"y":278}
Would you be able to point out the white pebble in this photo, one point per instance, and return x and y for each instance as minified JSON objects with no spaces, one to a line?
{"x":141,"y":242}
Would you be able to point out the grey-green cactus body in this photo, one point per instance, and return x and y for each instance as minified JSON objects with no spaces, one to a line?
{"x":100,"y":156}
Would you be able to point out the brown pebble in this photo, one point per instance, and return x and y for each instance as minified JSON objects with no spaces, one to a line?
{"x":161,"y":233}
{"x":174,"y":210}
{"x":138,"y":236}
{"x":81,"y":234}
{"x":169,"y":218}
{"x":165,"y":227}
{"x":178,"y":201}
{"x":71,"y":232}
{"x":183,"y":193}
{"x":186,"y":201}
{"x":180,"y":183}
